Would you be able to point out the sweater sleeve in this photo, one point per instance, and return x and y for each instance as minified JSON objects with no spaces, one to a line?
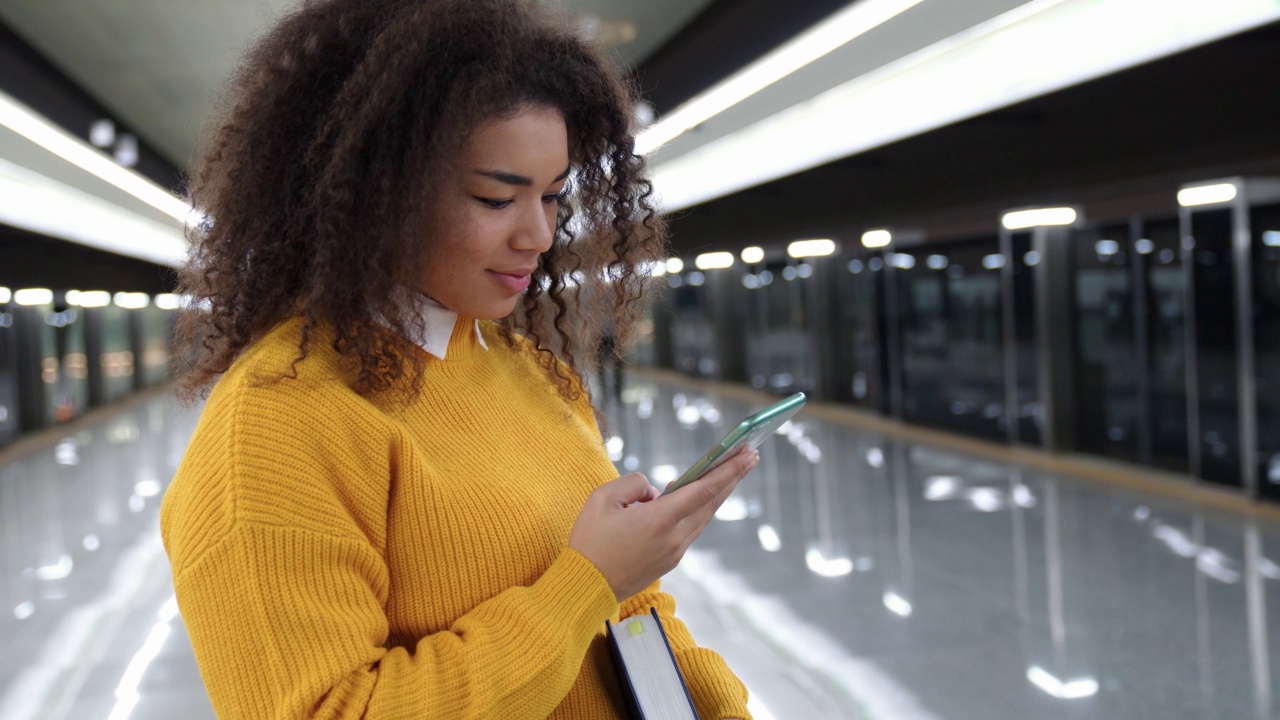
{"x":282,"y":583}
{"x":717,"y":692}
{"x":286,"y":623}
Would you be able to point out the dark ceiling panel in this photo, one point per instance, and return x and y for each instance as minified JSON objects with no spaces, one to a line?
{"x":31,"y":260}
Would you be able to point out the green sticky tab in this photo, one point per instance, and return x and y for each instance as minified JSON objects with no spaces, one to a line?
{"x":635,"y":627}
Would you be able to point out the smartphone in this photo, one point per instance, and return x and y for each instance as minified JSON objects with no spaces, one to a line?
{"x":749,"y":433}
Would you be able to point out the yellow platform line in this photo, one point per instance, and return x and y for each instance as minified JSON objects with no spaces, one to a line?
{"x":1135,"y":478}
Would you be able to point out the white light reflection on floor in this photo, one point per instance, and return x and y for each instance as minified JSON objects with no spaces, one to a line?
{"x":798,"y":644}
{"x":1069,"y":690}
{"x":127,"y":691}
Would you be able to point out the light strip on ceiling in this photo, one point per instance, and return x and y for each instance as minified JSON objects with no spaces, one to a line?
{"x":714,"y":261}
{"x":32,"y":126}
{"x":873,"y":239}
{"x":1207,"y":194}
{"x":41,"y":205}
{"x":821,"y":247}
{"x":1028,"y":52}
{"x":839,"y":29}
{"x":1039,"y":217}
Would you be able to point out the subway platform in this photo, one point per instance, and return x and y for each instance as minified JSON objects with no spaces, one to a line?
{"x":860,"y":572}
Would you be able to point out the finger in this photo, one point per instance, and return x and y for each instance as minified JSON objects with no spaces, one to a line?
{"x":712,"y":488}
{"x":630,"y":488}
{"x":701,"y":517}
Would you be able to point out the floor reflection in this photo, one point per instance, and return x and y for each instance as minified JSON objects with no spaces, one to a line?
{"x":851,"y":576}
{"x":88,"y":618}
{"x":896,"y":580}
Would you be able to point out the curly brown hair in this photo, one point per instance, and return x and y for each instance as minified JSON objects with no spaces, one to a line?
{"x":336,"y":126}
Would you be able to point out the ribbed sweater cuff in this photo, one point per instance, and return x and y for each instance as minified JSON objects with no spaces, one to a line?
{"x":717,"y":692}
{"x":574,"y":585}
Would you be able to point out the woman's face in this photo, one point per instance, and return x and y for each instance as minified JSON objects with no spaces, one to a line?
{"x":501,"y":204}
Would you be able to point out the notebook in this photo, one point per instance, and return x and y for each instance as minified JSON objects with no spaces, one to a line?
{"x":647,"y":670}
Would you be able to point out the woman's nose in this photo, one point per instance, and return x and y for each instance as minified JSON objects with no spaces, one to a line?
{"x":537,"y":229}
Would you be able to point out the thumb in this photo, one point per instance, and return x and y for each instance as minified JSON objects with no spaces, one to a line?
{"x":629,"y":489}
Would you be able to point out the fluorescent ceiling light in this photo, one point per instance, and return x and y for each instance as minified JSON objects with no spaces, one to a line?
{"x":1039,"y":217}
{"x":1028,"y":52}
{"x":91,"y":299}
{"x":811,"y":248}
{"x":131,"y":301}
{"x":1270,"y":238}
{"x":714,"y":261}
{"x":168,"y":301}
{"x":5,"y":295}
{"x":33,"y":296}
{"x":873,"y":239}
{"x":32,"y":126}
{"x":839,"y":29}
{"x":45,"y":206}
{"x":654,"y":268}
{"x":752,"y":255}
{"x":1207,"y":194}
{"x":675,"y":266}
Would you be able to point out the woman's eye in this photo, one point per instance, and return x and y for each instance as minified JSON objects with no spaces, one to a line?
{"x":553,"y":198}
{"x":493,"y":203}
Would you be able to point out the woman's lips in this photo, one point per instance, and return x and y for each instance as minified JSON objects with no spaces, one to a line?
{"x":515,"y":282}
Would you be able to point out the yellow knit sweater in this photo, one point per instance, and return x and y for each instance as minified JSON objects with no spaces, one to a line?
{"x":342,"y":557}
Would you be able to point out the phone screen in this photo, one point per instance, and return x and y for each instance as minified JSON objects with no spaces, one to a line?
{"x":749,"y":433}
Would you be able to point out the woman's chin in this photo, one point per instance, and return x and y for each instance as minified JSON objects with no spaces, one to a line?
{"x":496,"y":310}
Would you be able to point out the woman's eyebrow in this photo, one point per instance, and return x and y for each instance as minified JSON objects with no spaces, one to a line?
{"x":514,"y":179}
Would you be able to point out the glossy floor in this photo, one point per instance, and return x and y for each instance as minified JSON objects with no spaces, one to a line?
{"x":851,"y":576}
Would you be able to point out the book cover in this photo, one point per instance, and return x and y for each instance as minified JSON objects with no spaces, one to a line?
{"x":650,"y":678}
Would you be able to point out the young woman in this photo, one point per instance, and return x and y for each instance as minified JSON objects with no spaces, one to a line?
{"x":397,"y":503}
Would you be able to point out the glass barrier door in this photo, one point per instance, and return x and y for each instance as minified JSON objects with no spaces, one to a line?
{"x":1163,"y":295}
{"x":1023,"y":408}
{"x":1108,"y":408}
{"x":1214,"y":394}
{"x":1264,"y":223}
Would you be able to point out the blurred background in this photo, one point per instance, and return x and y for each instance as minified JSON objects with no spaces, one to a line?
{"x":1023,"y":256}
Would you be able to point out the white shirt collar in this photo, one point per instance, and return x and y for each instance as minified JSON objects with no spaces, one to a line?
{"x":439,"y":322}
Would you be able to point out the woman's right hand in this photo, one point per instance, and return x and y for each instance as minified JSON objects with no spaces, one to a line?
{"x":634,"y":536}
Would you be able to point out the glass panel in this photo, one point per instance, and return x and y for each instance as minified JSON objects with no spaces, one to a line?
{"x":117,"y":353}
{"x":1216,"y":346}
{"x":692,"y":334}
{"x":1265,"y":224}
{"x":1165,"y":284}
{"x":1107,"y":407}
{"x":72,"y":387}
{"x":779,"y":358}
{"x":1028,"y":408}
{"x":860,"y":294}
{"x":8,"y":378}
{"x":949,"y":310}
{"x":50,"y":362}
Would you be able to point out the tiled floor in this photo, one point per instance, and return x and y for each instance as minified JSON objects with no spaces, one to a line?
{"x":852,"y":576}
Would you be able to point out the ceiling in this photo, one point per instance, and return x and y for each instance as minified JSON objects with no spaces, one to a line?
{"x":156,"y":64}
{"x":1119,"y":145}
